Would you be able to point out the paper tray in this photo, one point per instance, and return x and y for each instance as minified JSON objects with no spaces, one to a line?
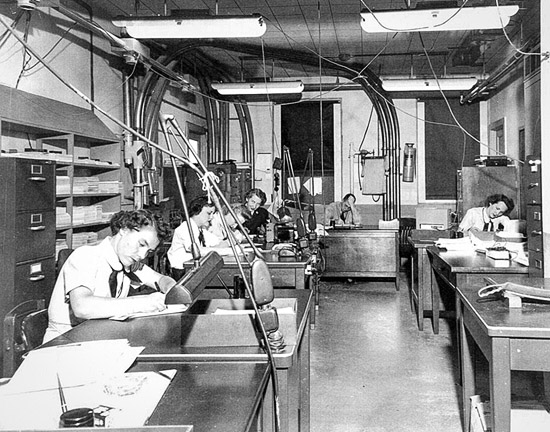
{"x":204,"y":326}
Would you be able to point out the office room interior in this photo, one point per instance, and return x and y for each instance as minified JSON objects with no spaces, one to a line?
{"x":420,"y":109}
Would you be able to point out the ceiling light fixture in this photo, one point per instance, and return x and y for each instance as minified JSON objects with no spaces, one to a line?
{"x":428,"y":84}
{"x":257,"y":88}
{"x":193,"y":27}
{"x":446,"y":19}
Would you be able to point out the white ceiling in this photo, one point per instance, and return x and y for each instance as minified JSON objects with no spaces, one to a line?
{"x":305,"y":29}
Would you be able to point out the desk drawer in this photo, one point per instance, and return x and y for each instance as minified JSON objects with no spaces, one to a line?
{"x":441,"y":269}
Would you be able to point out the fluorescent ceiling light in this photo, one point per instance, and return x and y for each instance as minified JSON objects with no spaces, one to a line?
{"x":447,"y":19}
{"x":254,"y":88}
{"x":418,"y":84}
{"x":200,"y":27}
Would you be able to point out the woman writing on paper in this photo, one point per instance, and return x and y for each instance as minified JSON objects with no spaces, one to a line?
{"x":96,"y":281}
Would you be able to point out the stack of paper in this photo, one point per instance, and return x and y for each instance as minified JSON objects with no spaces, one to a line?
{"x":62,"y":218}
{"x":63,"y":185}
{"x":109,"y":186}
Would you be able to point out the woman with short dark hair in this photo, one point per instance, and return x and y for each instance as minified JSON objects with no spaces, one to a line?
{"x":492,"y":217}
{"x":96,"y":280}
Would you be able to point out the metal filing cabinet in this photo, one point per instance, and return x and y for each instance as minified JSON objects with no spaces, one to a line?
{"x":533,"y":201}
{"x":27,"y":231}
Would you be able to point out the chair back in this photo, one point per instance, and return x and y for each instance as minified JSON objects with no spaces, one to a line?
{"x":24,"y":328}
{"x":406,"y":225}
{"x":61,"y":258}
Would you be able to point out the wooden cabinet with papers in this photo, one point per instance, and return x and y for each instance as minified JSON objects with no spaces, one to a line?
{"x":86,"y":153}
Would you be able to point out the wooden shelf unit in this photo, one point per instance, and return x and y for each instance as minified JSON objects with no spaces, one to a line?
{"x":73,"y":138}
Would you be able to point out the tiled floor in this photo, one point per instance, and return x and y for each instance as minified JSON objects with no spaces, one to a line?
{"x":372,"y":370}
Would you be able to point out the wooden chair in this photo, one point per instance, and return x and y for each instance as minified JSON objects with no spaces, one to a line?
{"x":24,"y":328}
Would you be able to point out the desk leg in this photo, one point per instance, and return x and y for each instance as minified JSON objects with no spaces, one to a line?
{"x":312,"y":284}
{"x":414,"y":258}
{"x":467,"y":366}
{"x":304,"y":395}
{"x":285,"y":399}
{"x":423,"y":276}
{"x":500,"y":384}
{"x":267,"y":419}
{"x":435,"y":300}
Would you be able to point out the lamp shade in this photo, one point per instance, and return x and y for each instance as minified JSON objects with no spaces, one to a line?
{"x":429,"y":84}
{"x":445,"y":19}
{"x":215,"y":26}
{"x":258,"y":88}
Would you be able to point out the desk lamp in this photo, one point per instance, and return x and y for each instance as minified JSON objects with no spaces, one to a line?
{"x":261,"y":290}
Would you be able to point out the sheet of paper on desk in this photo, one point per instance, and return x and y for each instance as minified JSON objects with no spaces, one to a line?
{"x":77,"y":365}
{"x":132,"y":398}
{"x":459,"y":244}
{"x":170,"y":309}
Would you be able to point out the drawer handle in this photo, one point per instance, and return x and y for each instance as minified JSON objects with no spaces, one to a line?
{"x":37,"y":278}
{"x":38,"y":228}
{"x":37,"y":179}
{"x":536,"y":233}
{"x":532,"y":185}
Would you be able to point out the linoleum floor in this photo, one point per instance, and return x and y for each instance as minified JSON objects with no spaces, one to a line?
{"x":373,"y":370}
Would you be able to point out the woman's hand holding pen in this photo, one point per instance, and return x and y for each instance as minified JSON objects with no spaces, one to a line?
{"x":148,"y":303}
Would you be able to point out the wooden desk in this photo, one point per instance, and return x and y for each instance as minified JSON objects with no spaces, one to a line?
{"x":286,"y":272}
{"x":364,"y":251}
{"x":166,"y":341}
{"x":510,"y":339}
{"x":455,"y":268}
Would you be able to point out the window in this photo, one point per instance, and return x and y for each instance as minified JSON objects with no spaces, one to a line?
{"x":300,"y":131}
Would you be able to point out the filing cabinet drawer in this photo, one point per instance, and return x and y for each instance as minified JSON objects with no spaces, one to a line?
{"x":34,"y":280}
{"x":536,"y":264}
{"x":35,"y":185}
{"x":534,"y":227}
{"x":35,"y":235}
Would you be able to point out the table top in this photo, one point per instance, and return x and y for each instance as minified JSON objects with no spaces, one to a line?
{"x":205,"y":395}
{"x":166,"y":337}
{"x":475,"y":262}
{"x":532,"y":320}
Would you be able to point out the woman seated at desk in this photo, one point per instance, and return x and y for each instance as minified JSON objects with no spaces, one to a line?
{"x":492,"y":217}
{"x":218,"y":227}
{"x":253,"y":202}
{"x":96,"y":281}
{"x":201,"y":214}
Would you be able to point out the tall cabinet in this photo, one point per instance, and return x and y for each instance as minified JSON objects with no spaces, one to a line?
{"x":60,"y":180}
{"x":533,"y":200}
